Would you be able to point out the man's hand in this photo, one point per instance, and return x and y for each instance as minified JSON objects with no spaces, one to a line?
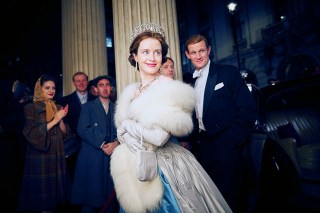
{"x":109,"y":147}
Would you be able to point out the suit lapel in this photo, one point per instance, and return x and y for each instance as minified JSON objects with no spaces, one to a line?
{"x":76,"y":100}
{"x":90,"y":97}
{"x":211,"y":82}
{"x":100,"y":113}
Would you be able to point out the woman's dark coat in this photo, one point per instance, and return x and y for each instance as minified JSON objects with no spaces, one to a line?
{"x":44,"y":178}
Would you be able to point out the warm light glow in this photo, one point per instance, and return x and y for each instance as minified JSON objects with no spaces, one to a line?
{"x":232,"y":7}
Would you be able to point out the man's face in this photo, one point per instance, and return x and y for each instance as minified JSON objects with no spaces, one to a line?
{"x":198,"y":53}
{"x":93,"y":91}
{"x":167,"y":69}
{"x":80,"y":83}
{"x":104,"y":88}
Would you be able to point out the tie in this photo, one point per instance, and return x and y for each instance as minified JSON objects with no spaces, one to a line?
{"x":197,"y":74}
{"x":83,"y":100}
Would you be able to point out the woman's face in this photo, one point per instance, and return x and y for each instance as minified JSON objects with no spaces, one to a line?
{"x":149,"y":56}
{"x":48,"y":89}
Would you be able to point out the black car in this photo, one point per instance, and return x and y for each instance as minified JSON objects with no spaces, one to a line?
{"x":285,"y":150}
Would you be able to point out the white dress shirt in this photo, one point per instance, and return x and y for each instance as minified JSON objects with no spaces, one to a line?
{"x":83,"y":98}
{"x":199,"y":87}
{"x":106,"y":106}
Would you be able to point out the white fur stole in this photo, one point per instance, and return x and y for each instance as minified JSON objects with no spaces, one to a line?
{"x":167,"y":104}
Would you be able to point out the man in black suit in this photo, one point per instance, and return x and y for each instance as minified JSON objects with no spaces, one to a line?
{"x":224,"y":115}
{"x":75,"y":101}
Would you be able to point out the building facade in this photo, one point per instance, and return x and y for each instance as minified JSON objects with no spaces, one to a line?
{"x":269,"y":40}
{"x":276,"y":40}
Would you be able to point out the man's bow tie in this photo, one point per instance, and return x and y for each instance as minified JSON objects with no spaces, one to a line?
{"x":197,"y":74}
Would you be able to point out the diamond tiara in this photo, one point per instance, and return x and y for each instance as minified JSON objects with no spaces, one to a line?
{"x":146,"y":27}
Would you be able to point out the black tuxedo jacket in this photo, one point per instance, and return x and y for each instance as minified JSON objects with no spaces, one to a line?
{"x":229,"y":113}
{"x":74,"y":109}
{"x":229,"y":110}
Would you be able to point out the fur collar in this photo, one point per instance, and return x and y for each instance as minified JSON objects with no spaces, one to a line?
{"x":166,"y":103}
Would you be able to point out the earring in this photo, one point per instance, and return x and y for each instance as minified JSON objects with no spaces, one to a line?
{"x":137,"y":66}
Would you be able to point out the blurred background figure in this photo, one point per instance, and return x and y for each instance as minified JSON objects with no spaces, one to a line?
{"x":75,"y":101}
{"x":91,"y":88}
{"x":167,"y":68}
{"x":113,"y":94}
{"x":11,"y":118}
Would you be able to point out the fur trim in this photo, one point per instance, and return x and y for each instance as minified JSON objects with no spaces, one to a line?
{"x":167,"y":105}
{"x":123,"y":103}
{"x":133,"y":195}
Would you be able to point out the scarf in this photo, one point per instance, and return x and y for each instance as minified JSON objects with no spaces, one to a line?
{"x":38,"y":96}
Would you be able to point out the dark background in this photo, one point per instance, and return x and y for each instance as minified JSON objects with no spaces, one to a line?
{"x":31,"y":39}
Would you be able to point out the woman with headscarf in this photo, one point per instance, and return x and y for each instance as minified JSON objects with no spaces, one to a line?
{"x":43,"y":185}
{"x":147,"y":115}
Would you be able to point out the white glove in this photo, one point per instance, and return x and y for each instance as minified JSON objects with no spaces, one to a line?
{"x":124,"y":137}
{"x":156,"y":136}
{"x":120,"y":132}
{"x":133,"y":142}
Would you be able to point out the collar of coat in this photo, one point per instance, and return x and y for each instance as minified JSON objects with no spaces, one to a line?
{"x":167,"y":104}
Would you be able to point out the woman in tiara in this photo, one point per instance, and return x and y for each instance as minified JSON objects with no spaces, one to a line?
{"x":151,"y":112}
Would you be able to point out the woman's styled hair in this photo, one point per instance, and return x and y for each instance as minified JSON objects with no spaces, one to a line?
{"x":47,"y":77}
{"x":147,"y":34}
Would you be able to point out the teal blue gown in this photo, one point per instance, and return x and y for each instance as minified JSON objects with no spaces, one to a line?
{"x":169,"y":203}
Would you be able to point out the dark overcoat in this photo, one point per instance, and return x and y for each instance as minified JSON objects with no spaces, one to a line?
{"x":71,"y":119}
{"x":44,"y":177}
{"x":93,"y":184}
{"x":74,"y":109}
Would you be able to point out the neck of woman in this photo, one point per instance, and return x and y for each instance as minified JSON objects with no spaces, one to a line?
{"x":145,"y":86}
{"x":146,"y":79}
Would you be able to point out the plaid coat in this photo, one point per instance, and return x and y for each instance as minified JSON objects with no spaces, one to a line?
{"x":44,"y":178}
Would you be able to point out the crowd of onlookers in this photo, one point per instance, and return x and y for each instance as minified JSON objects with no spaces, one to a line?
{"x":15,"y":96}
{"x":210,"y":117}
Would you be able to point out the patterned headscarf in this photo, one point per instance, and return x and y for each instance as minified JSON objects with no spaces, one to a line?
{"x":38,"y":96}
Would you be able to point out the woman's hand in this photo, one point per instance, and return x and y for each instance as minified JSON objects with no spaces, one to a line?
{"x":62,"y":113}
{"x":58,"y":118}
